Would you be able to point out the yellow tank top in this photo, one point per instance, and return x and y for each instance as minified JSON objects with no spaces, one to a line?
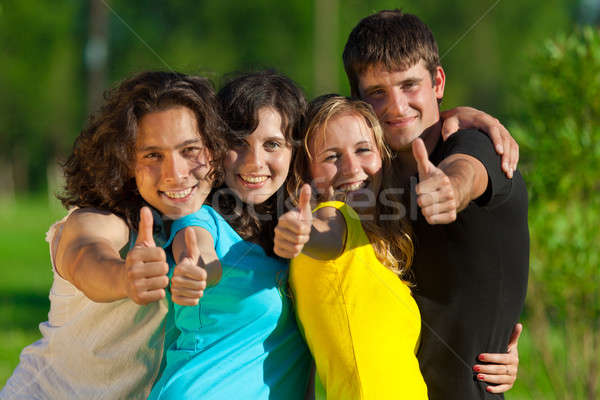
{"x":360,"y":321}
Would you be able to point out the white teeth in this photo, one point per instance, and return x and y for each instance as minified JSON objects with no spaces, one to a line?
{"x":253,"y":179}
{"x":180,"y":194}
{"x":352,"y":187}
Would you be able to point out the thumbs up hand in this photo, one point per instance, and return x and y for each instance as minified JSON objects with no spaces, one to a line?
{"x":293,"y":228}
{"x":189,"y":276}
{"x":436,"y":194}
{"x":145,"y":265}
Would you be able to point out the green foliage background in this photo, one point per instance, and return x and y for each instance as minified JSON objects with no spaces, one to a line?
{"x":523,"y":62}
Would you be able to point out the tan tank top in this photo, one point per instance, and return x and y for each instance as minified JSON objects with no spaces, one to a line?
{"x":89,"y":350}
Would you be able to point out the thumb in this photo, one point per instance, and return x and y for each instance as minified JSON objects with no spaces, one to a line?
{"x":450,"y":125}
{"x":304,"y":203}
{"x":424,"y":166}
{"x":145,"y":237}
{"x":191,"y":244}
{"x":514,"y":337}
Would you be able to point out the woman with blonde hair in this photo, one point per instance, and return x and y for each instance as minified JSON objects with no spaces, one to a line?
{"x":359,"y":319}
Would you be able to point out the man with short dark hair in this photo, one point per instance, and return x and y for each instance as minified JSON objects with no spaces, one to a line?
{"x":472,"y":238}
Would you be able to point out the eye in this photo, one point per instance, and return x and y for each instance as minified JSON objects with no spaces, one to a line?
{"x":331,"y":157}
{"x":409,"y":86}
{"x":376,"y":93}
{"x":191,"y":151}
{"x":363,"y":149}
{"x":272,"y":145}
{"x":152,"y":156}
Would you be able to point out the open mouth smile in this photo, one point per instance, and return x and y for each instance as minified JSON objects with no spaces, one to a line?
{"x":352,"y":186}
{"x":253,"y":180}
{"x":179,"y":194}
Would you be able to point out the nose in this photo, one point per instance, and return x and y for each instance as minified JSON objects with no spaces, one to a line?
{"x":398,"y":103}
{"x":175,"y":169}
{"x":350,"y":164}
{"x":253,"y":157}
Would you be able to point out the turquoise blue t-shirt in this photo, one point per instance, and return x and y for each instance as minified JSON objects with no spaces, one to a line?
{"x":241,"y":341}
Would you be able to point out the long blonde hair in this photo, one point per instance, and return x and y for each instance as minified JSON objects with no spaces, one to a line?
{"x":391,"y":237}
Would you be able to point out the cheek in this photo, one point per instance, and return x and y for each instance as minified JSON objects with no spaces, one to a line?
{"x":229,"y":165}
{"x":379,"y":106}
{"x":144,"y":177}
{"x":280,"y":163}
{"x":322,"y":175}
{"x":373,"y":164}
{"x":230,"y":159}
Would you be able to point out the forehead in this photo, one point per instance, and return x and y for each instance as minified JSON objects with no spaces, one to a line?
{"x":345,"y":129}
{"x":167,"y":128}
{"x":380,"y":75}
{"x":269,"y":124}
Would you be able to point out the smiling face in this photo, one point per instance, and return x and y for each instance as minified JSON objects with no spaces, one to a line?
{"x":345,"y":160}
{"x":257,"y":166}
{"x":172,"y":164}
{"x":406,"y":102}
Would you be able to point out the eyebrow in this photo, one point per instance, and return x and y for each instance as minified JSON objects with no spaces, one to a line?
{"x":179,"y":146}
{"x":397,"y":83}
{"x":355,"y":145}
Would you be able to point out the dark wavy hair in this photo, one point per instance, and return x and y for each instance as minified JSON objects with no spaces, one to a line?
{"x":240,"y":100}
{"x":100,"y":171}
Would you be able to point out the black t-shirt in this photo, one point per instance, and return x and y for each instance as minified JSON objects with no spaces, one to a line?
{"x":471,"y":275}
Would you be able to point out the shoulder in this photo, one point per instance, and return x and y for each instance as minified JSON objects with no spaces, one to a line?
{"x":90,"y":227}
{"x":206,"y":219}
{"x":94,"y":223}
{"x":471,"y":142}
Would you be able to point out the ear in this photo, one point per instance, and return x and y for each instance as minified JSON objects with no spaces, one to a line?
{"x":439,"y":82}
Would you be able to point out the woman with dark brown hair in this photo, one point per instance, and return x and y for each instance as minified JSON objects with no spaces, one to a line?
{"x":156,"y":144}
{"x":241,"y":339}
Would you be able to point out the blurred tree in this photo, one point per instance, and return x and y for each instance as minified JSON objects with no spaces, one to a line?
{"x":40,"y":85}
{"x":96,"y":50}
{"x":54,"y":53}
{"x":559,"y":132}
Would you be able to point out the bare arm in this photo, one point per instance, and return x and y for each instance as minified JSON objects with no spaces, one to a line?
{"x":468,"y":177}
{"x":447,"y":189}
{"x":467,"y":117}
{"x":88,"y":257}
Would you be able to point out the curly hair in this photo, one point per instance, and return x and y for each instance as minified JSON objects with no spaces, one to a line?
{"x":240,"y":101}
{"x":100,"y":170}
{"x":389,"y":232}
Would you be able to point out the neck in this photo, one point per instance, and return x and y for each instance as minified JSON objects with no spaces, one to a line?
{"x":404,"y":161}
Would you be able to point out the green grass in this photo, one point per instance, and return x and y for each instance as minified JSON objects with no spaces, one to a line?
{"x":26,"y":276}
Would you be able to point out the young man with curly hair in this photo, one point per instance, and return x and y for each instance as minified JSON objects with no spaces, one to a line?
{"x":149,"y":155}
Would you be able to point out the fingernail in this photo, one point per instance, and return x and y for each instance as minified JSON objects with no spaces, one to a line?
{"x":477,"y":368}
{"x":482,"y":357}
{"x":500,"y":149}
{"x":505,"y":166}
{"x":480,"y":377}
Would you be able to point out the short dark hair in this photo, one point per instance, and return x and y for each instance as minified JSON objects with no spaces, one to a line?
{"x":392,"y":39}
{"x":240,"y":101}
{"x":100,"y":171}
